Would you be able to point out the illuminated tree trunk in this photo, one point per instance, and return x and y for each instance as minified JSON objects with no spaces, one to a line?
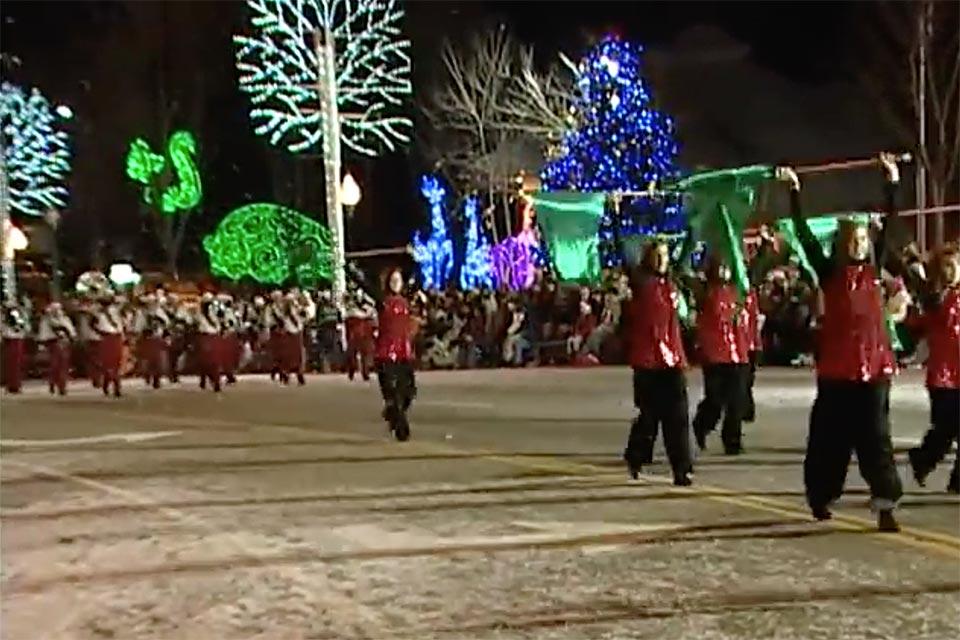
{"x":327,"y":88}
{"x":9,"y":274}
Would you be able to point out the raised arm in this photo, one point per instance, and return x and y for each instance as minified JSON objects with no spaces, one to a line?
{"x":820,"y":263}
{"x":766,"y":258}
{"x":885,"y":241}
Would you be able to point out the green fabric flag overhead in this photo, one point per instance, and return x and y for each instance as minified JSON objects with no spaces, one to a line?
{"x":569,"y":222}
{"x":718,"y":206}
{"x":823,"y":228}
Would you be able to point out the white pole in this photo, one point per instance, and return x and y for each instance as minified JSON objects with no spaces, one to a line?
{"x":324,"y":45}
{"x":9,"y":270}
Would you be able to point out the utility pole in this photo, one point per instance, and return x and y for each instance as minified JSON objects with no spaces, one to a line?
{"x":921,"y":89}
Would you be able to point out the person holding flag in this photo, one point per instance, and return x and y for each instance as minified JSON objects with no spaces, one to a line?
{"x":651,"y":331}
{"x":855,"y":362}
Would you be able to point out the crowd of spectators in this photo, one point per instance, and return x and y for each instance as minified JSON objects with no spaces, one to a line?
{"x":553,"y":323}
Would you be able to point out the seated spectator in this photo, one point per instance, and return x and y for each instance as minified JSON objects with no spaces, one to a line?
{"x":584,"y":326}
{"x":515,"y":344}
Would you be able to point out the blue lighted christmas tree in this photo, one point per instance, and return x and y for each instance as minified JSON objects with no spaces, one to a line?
{"x":619,"y":142}
{"x":477,"y":270}
{"x":434,"y":252}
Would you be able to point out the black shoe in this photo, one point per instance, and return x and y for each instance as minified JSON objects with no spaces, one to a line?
{"x":733,"y":450}
{"x":682,"y":480}
{"x":401,"y":428}
{"x":821,"y":513}
{"x":301,"y":380}
{"x":231,"y":379}
{"x":886,"y":522}
{"x":633,"y":467}
{"x":913,"y":455}
{"x":51,"y":389}
{"x":156,"y":383}
{"x":203,"y":382}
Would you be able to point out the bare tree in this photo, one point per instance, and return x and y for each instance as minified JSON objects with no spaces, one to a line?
{"x":914,"y":71}
{"x":495,"y":115}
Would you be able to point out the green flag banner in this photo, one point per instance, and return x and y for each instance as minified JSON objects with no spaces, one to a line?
{"x":824,"y":228}
{"x":718,"y":205}
{"x":569,"y":222}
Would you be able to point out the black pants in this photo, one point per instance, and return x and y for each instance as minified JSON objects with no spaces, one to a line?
{"x":661,"y":397}
{"x":846,"y":417}
{"x":397,"y":384}
{"x":723,"y":394}
{"x":944,"y":431}
{"x":749,"y":408}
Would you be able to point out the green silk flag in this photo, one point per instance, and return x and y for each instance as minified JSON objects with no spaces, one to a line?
{"x":569,"y":221}
{"x":824,"y":228}
{"x":719,"y":205}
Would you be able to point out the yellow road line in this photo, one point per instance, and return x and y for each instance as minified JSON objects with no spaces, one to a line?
{"x":917,"y":537}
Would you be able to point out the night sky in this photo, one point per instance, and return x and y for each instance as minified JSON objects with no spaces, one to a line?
{"x":116,"y":63}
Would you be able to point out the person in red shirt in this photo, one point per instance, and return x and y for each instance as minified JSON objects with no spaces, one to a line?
{"x":723,"y":332}
{"x":651,"y":330}
{"x":854,"y":363}
{"x":940,"y":323}
{"x":393,"y":355}
{"x":360,"y":323}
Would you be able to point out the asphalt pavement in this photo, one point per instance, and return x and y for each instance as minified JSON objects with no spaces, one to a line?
{"x":285,"y":512}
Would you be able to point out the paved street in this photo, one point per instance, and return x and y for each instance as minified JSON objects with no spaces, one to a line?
{"x":282,"y":513}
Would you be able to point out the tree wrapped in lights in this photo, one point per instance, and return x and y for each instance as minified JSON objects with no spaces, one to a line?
{"x":476,"y":270}
{"x":271,"y":244}
{"x":36,"y":153}
{"x":434,"y":252}
{"x":618,"y":143}
{"x":322,"y":72}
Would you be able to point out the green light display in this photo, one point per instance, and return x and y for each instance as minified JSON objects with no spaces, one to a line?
{"x":271,"y":244}
{"x":147,"y":168}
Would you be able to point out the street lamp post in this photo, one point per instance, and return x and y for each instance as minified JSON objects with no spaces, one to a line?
{"x":13,"y":240}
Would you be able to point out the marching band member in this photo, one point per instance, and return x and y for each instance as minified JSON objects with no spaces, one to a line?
{"x":55,"y":333}
{"x":108,"y":323}
{"x":361,"y":314}
{"x":15,"y":326}
{"x":151,"y":324}
{"x":90,"y":340}
{"x":208,"y":341}
{"x":292,"y":322}
{"x":394,"y":355}
{"x":272,"y":320}
{"x":231,"y":346}
{"x":181,"y":331}
{"x":651,"y":319}
{"x":855,"y":363}
{"x":940,"y":324}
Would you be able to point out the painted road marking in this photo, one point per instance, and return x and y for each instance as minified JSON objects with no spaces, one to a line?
{"x":944,"y":544}
{"x":137,"y":436}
